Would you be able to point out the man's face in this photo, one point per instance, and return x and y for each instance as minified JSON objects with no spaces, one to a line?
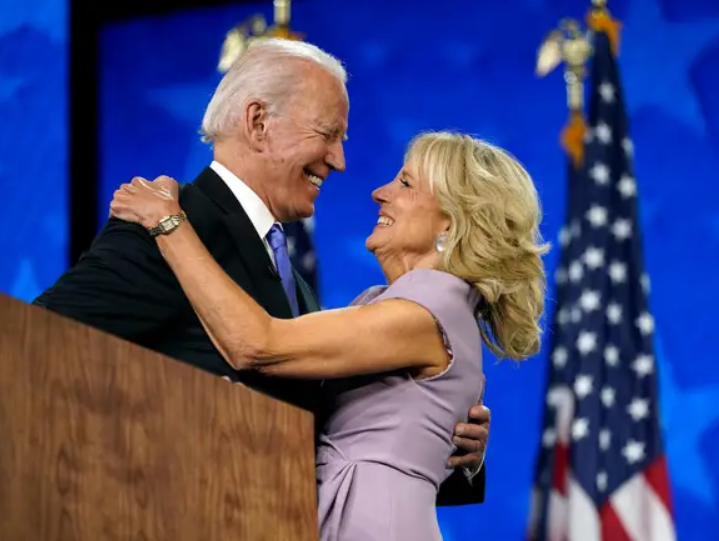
{"x":304,"y":144}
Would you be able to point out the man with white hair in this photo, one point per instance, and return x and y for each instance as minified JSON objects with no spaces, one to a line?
{"x":276,"y":122}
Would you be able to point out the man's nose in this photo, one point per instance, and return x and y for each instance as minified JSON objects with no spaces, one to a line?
{"x":336,"y":157}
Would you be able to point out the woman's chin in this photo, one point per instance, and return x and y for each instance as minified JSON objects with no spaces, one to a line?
{"x":371,"y":243}
{"x":377,"y":239}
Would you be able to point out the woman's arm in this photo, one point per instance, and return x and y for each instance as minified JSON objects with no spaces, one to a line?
{"x":368,"y":339}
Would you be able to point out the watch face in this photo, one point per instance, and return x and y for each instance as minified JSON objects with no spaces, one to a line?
{"x":168,"y":223}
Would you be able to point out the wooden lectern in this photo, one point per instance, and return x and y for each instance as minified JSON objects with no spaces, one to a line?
{"x":104,"y":440}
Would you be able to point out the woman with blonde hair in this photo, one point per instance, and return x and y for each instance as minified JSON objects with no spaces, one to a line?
{"x":457,"y":238}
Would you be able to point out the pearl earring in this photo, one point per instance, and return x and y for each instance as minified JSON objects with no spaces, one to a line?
{"x":440,"y":243}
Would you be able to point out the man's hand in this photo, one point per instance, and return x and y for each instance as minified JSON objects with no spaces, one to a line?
{"x":471,"y":438}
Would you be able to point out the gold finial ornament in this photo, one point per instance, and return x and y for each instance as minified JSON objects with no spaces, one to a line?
{"x":281,"y":28}
{"x":238,"y":40}
{"x":282,"y":12}
{"x":569,"y":44}
{"x":255,"y":28}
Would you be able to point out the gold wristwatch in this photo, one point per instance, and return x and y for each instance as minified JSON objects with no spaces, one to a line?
{"x":167,"y":224}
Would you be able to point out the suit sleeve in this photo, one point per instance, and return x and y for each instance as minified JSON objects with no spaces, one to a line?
{"x":458,"y":490}
{"x":121,"y":285}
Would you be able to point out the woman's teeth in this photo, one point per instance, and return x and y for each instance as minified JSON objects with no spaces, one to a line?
{"x":384,"y":220}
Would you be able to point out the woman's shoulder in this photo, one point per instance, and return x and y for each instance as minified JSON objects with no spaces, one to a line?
{"x":423,"y":283}
{"x":368,"y":295}
{"x":435,"y":282}
{"x":452,"y":302}
{"x":440,"y":292}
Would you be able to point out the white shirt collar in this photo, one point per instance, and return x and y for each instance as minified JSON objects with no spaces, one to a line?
{"x":256,"y":210}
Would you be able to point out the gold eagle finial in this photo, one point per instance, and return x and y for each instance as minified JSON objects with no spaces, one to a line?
{"x":239,"y":38}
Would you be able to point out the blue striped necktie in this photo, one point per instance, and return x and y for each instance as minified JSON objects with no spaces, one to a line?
{"x":278,"y":242}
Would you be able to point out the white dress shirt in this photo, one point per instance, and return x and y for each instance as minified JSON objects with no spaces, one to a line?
{"x":254,"y":207}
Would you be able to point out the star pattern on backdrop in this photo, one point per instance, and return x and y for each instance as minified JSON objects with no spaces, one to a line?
{"x":186,"y":103}
{"x":33,"y":143}
{"x":656,"y":58}
{"x":687,"y":414}
{"x":47,"y":17}
{"x":25,"y":285}
{"x":9,"y":86}
{"x":711,"y":223}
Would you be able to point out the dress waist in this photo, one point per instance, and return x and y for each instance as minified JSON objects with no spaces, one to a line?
{"x":331,"y":460}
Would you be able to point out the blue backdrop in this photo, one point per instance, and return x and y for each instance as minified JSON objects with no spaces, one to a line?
{"x":469,"y":66}
{"x":33,"y":144}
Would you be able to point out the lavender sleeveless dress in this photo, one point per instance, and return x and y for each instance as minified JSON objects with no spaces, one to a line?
{"x":384,"y":447}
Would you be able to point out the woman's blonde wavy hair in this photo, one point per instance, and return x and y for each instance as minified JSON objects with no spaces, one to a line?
{"x":493,"y":241}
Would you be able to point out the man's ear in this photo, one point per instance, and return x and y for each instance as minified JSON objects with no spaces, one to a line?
{"x":255,"y":124}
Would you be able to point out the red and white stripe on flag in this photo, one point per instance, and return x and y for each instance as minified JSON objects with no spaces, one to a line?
{"x":639,"y":510}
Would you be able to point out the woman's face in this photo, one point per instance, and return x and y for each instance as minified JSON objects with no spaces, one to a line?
{"x":409,"y":218}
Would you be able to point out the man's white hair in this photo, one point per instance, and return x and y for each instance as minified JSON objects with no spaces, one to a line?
{"x":262,"y":73}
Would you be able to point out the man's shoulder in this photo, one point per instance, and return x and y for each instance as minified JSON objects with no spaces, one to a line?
{"x":198,"y":205}
{"x":204,"y":193}
{"x":204,"y":215}
{"x":191,"y":192}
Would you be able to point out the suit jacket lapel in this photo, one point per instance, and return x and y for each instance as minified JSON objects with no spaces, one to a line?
{"x":308,"y":299}
{"x":268,"y":290}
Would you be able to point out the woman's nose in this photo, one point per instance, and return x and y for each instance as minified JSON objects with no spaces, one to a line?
{"x":380,"y":194}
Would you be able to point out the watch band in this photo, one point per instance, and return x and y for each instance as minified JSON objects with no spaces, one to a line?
{"x":167,"y":224}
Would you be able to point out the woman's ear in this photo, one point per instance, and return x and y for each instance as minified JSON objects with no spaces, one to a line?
{"x":445,"y":223}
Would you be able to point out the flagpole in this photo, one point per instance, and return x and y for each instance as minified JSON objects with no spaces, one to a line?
{"x":569,"y":45}
{"x":600,"y":20}
{"x":577,"y":50}
{"x":282,"y":18}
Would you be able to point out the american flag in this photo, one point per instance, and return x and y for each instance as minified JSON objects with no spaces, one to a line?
{"x":301,"y":250}
{"x":601,"y":470}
